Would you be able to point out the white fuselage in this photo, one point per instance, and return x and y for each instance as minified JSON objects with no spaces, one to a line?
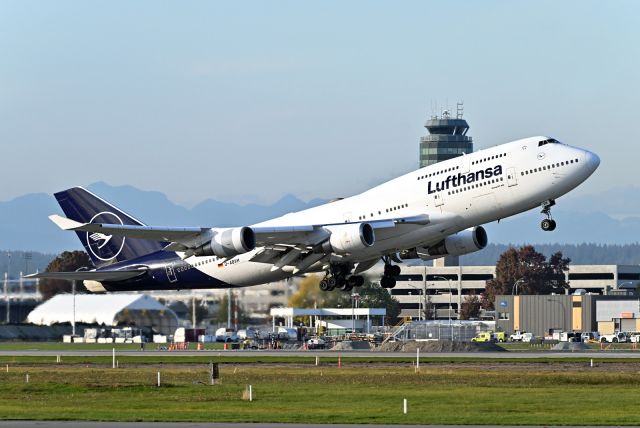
{"x":456,"y":194}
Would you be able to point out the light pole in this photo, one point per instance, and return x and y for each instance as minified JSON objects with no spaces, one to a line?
{"x":450,"y":294}
{"x":419,"y":300}
{"x":514,"y":289}
{"x":73,"y":293}
{"x":354,"y":297}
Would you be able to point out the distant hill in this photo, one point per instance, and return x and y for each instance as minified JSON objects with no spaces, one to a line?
{"x":24,"y":223}
{"x":611,"y":217}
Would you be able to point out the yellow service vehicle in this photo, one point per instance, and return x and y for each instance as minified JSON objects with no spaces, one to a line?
{"x":483,"y":336}
{"x":500,"y":336}
{"x":490,"y":336}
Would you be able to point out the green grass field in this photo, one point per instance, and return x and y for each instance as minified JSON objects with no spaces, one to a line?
{"x":538,"y":394}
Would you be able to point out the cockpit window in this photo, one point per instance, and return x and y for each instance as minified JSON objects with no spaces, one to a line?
{"x":549,"y":141}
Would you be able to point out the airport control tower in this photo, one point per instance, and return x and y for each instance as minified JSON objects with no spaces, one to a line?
{"x":447,"y":139}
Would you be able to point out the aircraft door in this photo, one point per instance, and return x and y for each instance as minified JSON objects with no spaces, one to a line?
{"x":512,"y":179}
{"x":171,"y":272}
{"x":465,"y":165}
{"x":438,"y":199}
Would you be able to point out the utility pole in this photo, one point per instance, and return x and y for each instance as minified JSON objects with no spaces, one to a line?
{"x":6,"y":295}
{"x":73,"y":320}
{"x":228,"y":308}
{"x":193,"y":311}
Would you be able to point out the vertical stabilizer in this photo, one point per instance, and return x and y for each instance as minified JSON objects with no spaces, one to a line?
{"x":83,"y":206}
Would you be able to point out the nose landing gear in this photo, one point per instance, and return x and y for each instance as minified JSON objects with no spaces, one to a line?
{"x":548,"y":224}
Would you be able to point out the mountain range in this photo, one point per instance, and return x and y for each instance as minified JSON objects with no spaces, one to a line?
{"x":611,"y":217}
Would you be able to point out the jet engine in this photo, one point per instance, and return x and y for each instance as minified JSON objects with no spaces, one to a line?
{"x":349,"y":238}
{"x":463,"y":242}
{"x":228,"y":242}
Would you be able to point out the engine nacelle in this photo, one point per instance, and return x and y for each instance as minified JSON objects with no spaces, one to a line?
{"x":349,"y":238}
{"x":228,"y":242}
{"x":463,"y":242}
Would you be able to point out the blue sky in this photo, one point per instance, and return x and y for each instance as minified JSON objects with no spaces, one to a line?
{"x":248,"y":101}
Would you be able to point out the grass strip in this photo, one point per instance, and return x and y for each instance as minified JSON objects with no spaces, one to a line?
{"x":322,"y":395}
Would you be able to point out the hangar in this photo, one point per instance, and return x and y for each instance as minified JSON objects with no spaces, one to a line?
{"x":139,"y":310}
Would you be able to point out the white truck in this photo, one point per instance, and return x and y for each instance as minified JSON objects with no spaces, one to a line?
{"x":521,"y":336}
{"x":618,"y":337}
{"x":226,"y":335}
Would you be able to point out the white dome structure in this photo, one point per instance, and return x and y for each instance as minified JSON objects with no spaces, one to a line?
{"x":138,"y":310}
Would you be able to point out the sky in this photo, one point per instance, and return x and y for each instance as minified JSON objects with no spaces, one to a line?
{"x":248,"y":101}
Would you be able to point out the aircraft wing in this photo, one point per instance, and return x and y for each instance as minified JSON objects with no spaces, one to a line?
{"x":94,"y":275}
{"x":283,"y":245}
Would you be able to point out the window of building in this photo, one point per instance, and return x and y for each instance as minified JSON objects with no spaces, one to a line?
{"x":590,"y":276}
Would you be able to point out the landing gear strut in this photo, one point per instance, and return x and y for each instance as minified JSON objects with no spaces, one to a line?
{"x":338,"y":277}
{"x":548,"y":224}
{"x":388,"y":279}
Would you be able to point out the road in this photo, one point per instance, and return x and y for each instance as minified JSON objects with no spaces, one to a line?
{"x":83,"y":424}
{"x":335,"y":354}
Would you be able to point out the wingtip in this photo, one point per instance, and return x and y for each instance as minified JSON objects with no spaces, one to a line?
{"x":63,"y":222}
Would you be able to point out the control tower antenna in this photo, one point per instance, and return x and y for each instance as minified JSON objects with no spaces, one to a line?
{"x":459,"y":110}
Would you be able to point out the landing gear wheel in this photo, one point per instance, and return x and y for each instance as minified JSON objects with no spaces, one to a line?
{"x":547,"y":225}
{"x":553,"y":225}
{"x":324,"y":285}
{"x":387,"y":282}
{"x":358,"y":281}
{"x":331,"y":282}
{"x":391,"y":270}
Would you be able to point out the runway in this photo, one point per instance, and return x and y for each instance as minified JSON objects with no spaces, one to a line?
{"x":334,"y":354}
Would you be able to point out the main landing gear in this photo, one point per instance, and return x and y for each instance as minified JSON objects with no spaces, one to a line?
{"x":338,"y":278}
{"x":388,"y":279}
{"x":548,"y":224}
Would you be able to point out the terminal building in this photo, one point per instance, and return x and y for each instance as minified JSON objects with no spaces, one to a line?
{"x":444,"y":288}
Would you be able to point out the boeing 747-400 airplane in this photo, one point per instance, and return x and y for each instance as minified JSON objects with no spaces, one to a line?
{"x":429,"y":213}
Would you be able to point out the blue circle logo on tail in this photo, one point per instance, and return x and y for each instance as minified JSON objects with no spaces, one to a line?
{"x":105,"y":247}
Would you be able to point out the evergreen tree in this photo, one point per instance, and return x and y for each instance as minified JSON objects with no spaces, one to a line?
{"x":68,"y":261}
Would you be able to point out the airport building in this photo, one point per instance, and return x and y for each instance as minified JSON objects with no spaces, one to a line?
{"x":544,"y":314}
{"x":444,"y":288}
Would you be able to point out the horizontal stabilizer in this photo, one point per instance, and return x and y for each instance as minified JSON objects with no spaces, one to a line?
{"x":113,"y":275}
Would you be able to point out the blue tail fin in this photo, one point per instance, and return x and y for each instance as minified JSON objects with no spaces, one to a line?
{"x":83,"y":206}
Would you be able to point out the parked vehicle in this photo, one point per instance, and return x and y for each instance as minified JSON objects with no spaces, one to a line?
{"x":570,"y":336}
{"x":499,"y":336}
{"x":285,"y":333}
{"x":619,"y":337}
{"x":483,"y":336}
{"x":226,"y":335}
{"x":518,"y":336}
{"x":590,"y":336}
{"x":249,"y":333}
{"x":490,"y":336}
{"x":316,"y":343}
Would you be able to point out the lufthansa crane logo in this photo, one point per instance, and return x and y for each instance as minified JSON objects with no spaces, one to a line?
{"x":105,"y":247}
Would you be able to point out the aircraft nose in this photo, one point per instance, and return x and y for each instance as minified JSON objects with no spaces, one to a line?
{"x":592,"y":160}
